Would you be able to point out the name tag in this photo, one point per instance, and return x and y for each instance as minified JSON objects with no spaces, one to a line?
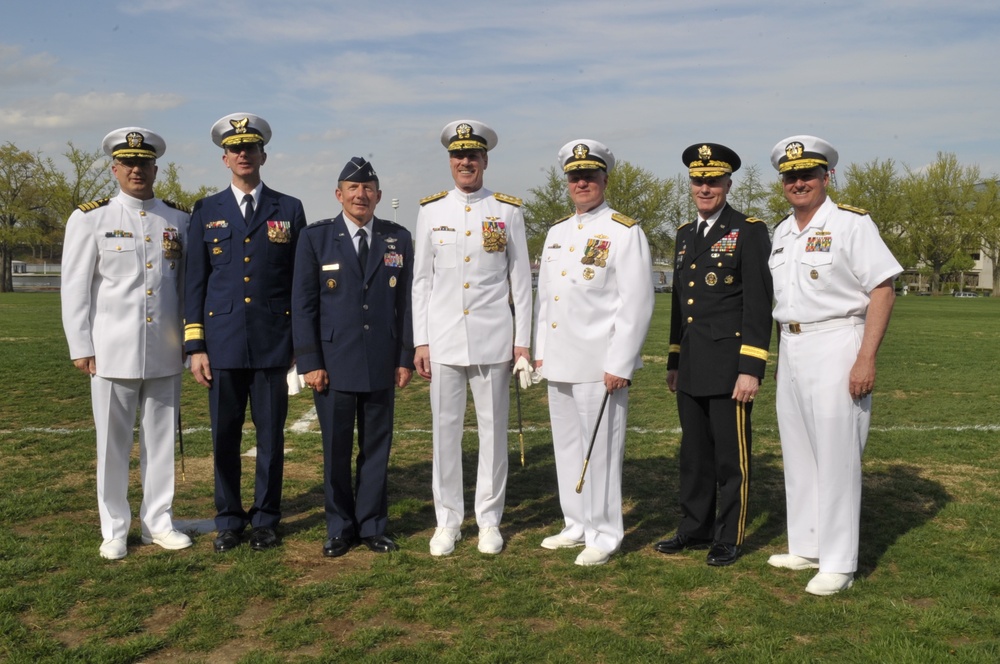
{"x":331,"y":266}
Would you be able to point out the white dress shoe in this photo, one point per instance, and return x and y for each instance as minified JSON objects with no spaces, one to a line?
{"x":560,"y":542}
{"x":591,"y":556}
{"x":172,"y":539}
{"x":113,"y":549}
{"x":490,"y":540}
{"x":791,"y":561}
{"x":829,"y":583}
{"x":443,"y":542}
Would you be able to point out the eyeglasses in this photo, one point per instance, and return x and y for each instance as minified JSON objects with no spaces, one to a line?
{"x":249,"y":148}
{"x":805,"y":176}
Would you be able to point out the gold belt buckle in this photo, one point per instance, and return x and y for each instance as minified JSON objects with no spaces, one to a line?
{"x":794,"y":328}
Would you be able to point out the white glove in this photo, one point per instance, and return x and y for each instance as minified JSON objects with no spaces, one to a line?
{"x":295,"y":381}
{"x":524,"y":373}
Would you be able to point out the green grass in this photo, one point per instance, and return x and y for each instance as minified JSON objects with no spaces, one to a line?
{"x":927,"y":588}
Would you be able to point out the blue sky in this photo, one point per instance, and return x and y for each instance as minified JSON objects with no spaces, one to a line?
{"x":891,"y":79}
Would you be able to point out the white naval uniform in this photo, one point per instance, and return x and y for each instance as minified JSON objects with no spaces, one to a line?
{"x":121,"y":304}
{"x":822,"y":279}
{"x":592,"y":319}
{"x":461,"y":311}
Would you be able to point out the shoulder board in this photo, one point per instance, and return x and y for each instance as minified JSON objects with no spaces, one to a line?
{"x":512,"y":200}
{"x":851,"y":208}
{"x":176,"y":206}
{"x":754,"y":220}
{"x":623,"y":220}
{"x":559,"y":221}
{"x":93,"y":205}
{"x":433,"y":197}
{"x":685,"y":225}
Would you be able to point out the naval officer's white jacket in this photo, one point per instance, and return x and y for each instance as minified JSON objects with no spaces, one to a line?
{"x":122,"y":285}
{"x":460,"y":292}
{"x":593,"y":318}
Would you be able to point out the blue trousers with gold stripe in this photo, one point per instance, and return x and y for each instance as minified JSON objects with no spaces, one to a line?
{"x":715,"y":467}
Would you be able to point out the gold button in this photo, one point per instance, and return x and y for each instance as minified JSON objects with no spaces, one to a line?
{"x":690,"y":319}
{"x":247,"y":300}
{"x":557,"y":298}
{"x":572,"y":248}
{"x":466,"y":312}
{"x":691,"y":284}
{"x":720,"y":264}
{"x":564,"y":273}
{"x":690,"y":300}
{"x":211,"y":313}
{"x":554,"y":325}
{"x":246,"y":280}
{"x":118,"y":248}
{"x":148,"y":319}
{"x":468,"y":233}
{"x":215,"y":241}
{"x":148,"y":239}
{"x":172,"y":265}
{"x":246,"y":240}
{"x":580,"y":226}
{"x":246,"y":260}
{"x":149,"y":265}
{"x":739,"y":334}
{"x":142,"y":213}
{"x":466,"y":284}
{"x":467,"y":259}
{"x":693,"y":266}
{"x":149,"y":291}
{"x":468,"y":209}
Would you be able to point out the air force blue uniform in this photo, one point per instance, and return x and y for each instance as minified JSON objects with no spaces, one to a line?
{"x":238,"y":298}
{"x":355,"y":324}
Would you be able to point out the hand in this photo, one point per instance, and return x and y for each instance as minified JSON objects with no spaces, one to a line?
{"x":318,"y":380}
{"x":746,"y":388}
{"x":403,"y":376}
{"x":862,"y":378}
{"x":612,"y":383}
{"x":672,"y":380}
{"x":87,"y":365}
{"x":201,"y":369}
{"x":422,"y":361}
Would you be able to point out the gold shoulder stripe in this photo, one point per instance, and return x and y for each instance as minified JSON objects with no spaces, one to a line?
{"x":753,"y":351}
{"x":433,"y":197}
{"x":559,"y":221}
{"x":504,"y":198}
{"x":851,"y":208}
{"x":93,"y":205}
{"x":754,"y":220}
{"x":623,"y":220}
{"x":685,"y":225}
{"x":176,"y":206}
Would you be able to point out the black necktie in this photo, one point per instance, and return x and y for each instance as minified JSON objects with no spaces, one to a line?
{"x":702,"y":228}
{"x":248,"y":210}
{"x":363,"y":248}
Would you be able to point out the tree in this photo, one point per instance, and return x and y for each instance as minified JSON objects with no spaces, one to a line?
{"x":26,"y":200}
{"x":987,"y":211}
{"x":750,"y":195}
{"x":942,"y":227}
{"x":878,"y":188}
{"x":637,"y":193}
{"x":168,"y":187}
{"x":547,"y":204}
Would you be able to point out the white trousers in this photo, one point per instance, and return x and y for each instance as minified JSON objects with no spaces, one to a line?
{"x":490,"y":385}
{"x":114,"y":402}
{"x":823,"y":435}
{"x":594,"y":515}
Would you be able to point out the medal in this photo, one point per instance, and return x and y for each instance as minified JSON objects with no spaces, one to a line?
{"x":711,"y":279}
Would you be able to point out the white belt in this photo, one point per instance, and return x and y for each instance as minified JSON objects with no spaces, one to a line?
{"x":798,"y":328}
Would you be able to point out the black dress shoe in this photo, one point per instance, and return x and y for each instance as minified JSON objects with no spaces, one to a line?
{"x":721,"y":554}
{"x":335,"y":547}
{"x":380,"y":544}
{"x":679,"y":542}
{"x":262,"y":539}
{"x":227,"y":540}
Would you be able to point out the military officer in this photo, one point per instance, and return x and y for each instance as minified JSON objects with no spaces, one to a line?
{"x":594,"y":304}
{"x":353,"y":340}
{"x":833,"y":296}
{"x":121,"y":310}
{"x":238,"y":329}
{"x":469,"y":242}
{"x":720,"y":329}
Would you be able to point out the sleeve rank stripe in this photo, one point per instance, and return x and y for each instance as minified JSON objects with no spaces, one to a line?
{"x":753,"y":351}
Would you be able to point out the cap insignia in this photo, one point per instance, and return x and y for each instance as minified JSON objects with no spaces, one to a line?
{"x":464,"y":130}
{"x":581,"y":151}
{"x":134,"y":139}
{"x":240,"y":125}
{"x":794,"y":150}
{"x":705,"y":153}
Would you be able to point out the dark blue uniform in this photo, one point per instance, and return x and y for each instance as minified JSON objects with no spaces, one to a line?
{"x":238,"y":296}
{"x":357,"y":327}
{"x":720,"y":327}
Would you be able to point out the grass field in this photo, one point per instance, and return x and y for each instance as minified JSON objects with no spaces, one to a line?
{"x":927,"y":587}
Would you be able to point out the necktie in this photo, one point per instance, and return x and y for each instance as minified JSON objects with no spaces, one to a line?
{"x":362,"y":248}
{"x":702,"y":228}
{"x":248,"y":210}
